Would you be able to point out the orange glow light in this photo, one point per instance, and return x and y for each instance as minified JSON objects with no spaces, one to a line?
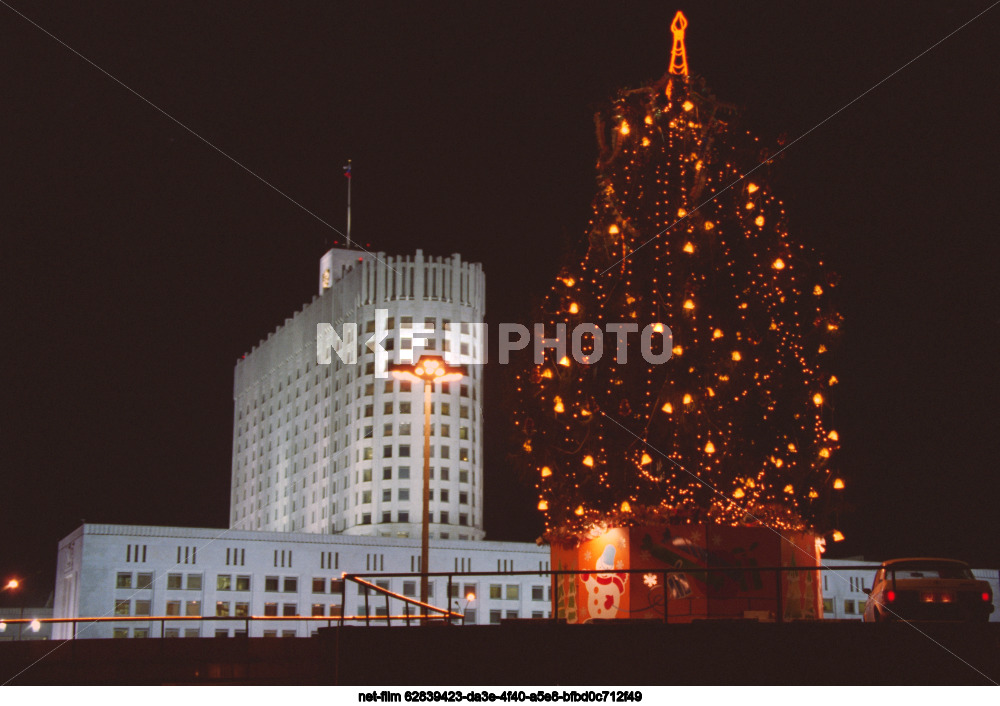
{"x":838,"y":484}
{"x":678,"y":54}
{"x":688,"y":304}
{"x":646,"y":459}
{"x":546,"y":471}
{"x":543,"y":505}
{"x":588,"y":461}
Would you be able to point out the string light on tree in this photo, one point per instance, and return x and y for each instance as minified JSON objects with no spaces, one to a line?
{"x":738,"y":422}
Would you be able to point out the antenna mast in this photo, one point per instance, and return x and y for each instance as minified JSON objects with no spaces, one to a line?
{"x":347,"y":173}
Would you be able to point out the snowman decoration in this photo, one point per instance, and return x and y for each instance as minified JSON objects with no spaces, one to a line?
{"x":604,"y":590}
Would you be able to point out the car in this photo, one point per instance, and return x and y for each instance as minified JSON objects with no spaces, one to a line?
{"x":927,"y":589}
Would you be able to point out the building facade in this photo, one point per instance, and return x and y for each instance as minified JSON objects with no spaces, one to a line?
{"x":338,"y":449}
{"x":164,"y":572}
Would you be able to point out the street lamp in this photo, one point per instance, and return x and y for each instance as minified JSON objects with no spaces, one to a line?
{"x":429,"y":370}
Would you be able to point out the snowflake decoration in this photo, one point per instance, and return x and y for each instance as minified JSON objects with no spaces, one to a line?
{"x":650,"y":580}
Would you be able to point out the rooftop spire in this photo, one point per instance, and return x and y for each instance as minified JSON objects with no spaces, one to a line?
{"x":678,"y":54}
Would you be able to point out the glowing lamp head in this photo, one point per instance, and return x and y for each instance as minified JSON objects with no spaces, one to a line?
{"x":778,"y":264}
{"x":688,"y":304}
{"x":837,"y":536}
{"x":824,"y":452}
{"x":687,"y":106}
{"x":12,"y":584}
{"x":35,"y":625}
{"x":677,"y":350}
{"x":559,"y":407}
{"x":681,"y":212}
{"x":546,"y":471}
{"x":688,"y":399}
{"x":547,"y":373}
{"x":689,"y":247}
{"x":624,"y":129}
{"x":626,"y":507}
{"x":838,"y":484}
{"x":470,"y":596}
{"x":709,"y":225}
{"x":717,"y":333}
{"x":789,"y":489}
{"x":613,"y":229}
{"x":543,"y":505}
{"x":759,"y":221}
{"x":752,"y":188}
{"x":813,"y":494}
{"x":568,"y":281}
{"x":668,"y":408}
{"x":588,"y":461}
{"x":890,"y":595}
{"x":646,"y":459}
{"x":833,"y":436}
{"x":419,"y":371}
{"x":710,"y":448}
{"x":578,"y":511}
{"x":738,"y":493}
{"x":737,"y":356}
{"x":564,"y":361}
{"x":645,"y":142}
{"x":818,"y":399}
{"x":817,"y":290}
{"x":649,"y":120}
{"x":574,"y":308}
{"x":657,"y":328}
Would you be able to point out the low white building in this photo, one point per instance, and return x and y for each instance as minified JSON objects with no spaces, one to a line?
{"x":126,"y":571}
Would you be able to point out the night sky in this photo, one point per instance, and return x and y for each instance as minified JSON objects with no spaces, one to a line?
{"x":139,"y":263}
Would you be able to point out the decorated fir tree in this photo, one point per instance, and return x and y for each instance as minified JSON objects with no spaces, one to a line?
{"x":686,"y":237}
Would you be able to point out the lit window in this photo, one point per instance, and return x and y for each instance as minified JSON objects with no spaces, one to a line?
{"x":512,"y":591}
{"x":463,"y":454}
{"x":120,"y":632}
{"x":318,"y":609}
{"x":223,"y":582}
{"x":192,"y":608}
{"x":124,"y":580}
{"x":242,"y":583}
{"x":242,"y":610}
{"x":496,"y":591}
{"x":123,"y":607}
{"x":222,"y":609}
{"x":404,"y":428}
{"x":445,"y":408}
{"x":175,"y":581}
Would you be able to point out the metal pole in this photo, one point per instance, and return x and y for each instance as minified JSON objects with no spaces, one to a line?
{"x":349,"y":180}
{"x":426,"y":529}
{"x":666,"y":597}
{"x":781,"y":611}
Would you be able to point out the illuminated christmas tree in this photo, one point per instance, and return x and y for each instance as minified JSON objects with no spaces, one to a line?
{"x":685,"y":237}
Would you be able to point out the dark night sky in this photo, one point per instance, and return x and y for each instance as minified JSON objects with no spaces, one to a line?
{"x":138,"y":263}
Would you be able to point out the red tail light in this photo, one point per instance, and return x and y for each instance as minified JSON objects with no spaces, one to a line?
{"x":890,"y":595}
{"x":986,"y":596}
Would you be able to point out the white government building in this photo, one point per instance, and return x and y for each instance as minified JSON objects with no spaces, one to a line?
{"x":327,"y":476}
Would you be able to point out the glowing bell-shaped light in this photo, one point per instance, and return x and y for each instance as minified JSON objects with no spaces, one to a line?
{"x":813,"y":494}
{"x":559,"y":407}
{"x":789,"y":489}
{"x":736,"y":356}
{"x":645,"y":142}
{"x":689,"y":247}
{"x":626,"y":507}
{"x":574,"y":308}
{"x":677,"y":350}
{"x":546,"y":471}
{"x":624,"y":129}
{"x":738,"y":493}
{"x":688,"y":304}
{"x":649,"y":120}
{"x":546,"y":373}
{"x":709,"y":225}
{"x":750,"y":205}
{"x":543,"y":505}
{"x":681,"y":212}
{"x":833,"y":435}
{"x":818,"y":399}
{"x":668,"y":408}
{"x":759,"y":221}
{"x":688,"y":399}
{"x":588,"y":461}
{"x":717,"y":333}
{"x":527,"y":446}
{"x":838,"y":536}
{"x":838,"y":484}
{"x":792,"y":448}
{"x":752,"y":188}
{"x":646,"y":459}
{"x":687,"y":106}
{"x":834,"y":380}
{"x":564,"y":361}
{"x":657,"y":328}
{"x":778,"y":264}
{"x":584,"y":412}
{"x":578,"y":511}
{"x":817,"y":290}
{"x":824,"y":452}
{"x":613,"y":229}
{"x":568,"y":281}
{"x":710,"y":448}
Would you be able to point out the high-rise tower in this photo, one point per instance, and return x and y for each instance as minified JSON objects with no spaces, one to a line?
{"x":333,"y":448}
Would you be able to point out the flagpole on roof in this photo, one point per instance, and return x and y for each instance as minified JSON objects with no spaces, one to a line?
{"x":347,"y":173}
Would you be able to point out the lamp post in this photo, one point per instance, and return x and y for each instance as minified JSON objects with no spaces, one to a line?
{"x":429,"y":370}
